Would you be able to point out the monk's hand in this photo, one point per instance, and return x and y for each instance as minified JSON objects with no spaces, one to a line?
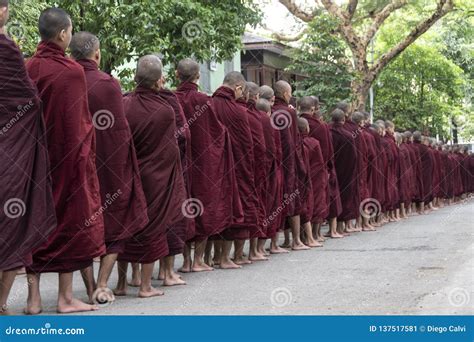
{"x":3,"y":18}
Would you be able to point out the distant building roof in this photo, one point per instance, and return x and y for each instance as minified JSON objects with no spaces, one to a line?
{"x":253,"y":41}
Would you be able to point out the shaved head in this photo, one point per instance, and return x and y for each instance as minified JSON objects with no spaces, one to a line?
{"x":305,"y":104}
{"x":282,"y":87}
{"x":149,"y":71}
{"x":266,"y":92}
{"x":398,"y":137}
{"x":84,"y":45}
{"x":417,"y":136}
{"x":389,"y":124}
{"x":234,"y":79}
{"x":3,"y":13}
{"x":188,"y":70}
{"x":358,"y":117}
{"x":253,"y":90}
{"x":338,"y":116}
{"x":303,"y":125}
{"x":381,"y":123}
{"x":3,"y":3}
{"x":52,"y":22}
{"x":263,"y":105}
{"x":344,"y":106}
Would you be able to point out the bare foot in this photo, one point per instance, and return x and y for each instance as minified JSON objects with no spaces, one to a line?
{"x":229,"y":265}
{"x":152,"y":292}
{"x":120,"y":291}
{"x":173,"y":281}
{"x":242,"y":261}
{"x":369,"y":229}
{"x":202,"y":267}
{"x":33,"y":308}
{"x":135,"y":283}
{"x":336,"y":236}
{"x":258,"y":257}
{"x":75,"y":305}
{"x":184,"y":269}
{"x":285,"y":245}
{"x":278,"y":250}
{"x":314,"y":244}
{"x":299,"y":247}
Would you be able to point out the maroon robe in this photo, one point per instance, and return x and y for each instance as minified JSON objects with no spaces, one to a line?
{"x":437,"y":173}
{"x":406,"y":174}
{"x":27,"y":215}
{"x":417,"y":182}
{"x":185,"y":229}
{"x":345,"y":162}
{"x":291,"y":154}
{"x":117,"y":167}
{"x":153,"y":124}
{"x":261,"y":165}
{"x":426,"y":163}
{"x":377,"y":167}
{"x":393,"y":171}
{"x":370,"y":161}
{"x":362,"y":160}
{"x":386,"y":155}
{"x":235,"y":118}
{"x":319,"y":180}
{"x":320,"y":131}
{"x":458,"y":185}
{"x":214,"y":183}
{"x":79,"y":236}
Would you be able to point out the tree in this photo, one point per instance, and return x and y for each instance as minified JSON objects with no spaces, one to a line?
{"x":358,"y":25}
{"x":128,"y":29}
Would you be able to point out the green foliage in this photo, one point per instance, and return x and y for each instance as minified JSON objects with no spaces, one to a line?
{"x":128,"y":29}
{"x":322,"y":57}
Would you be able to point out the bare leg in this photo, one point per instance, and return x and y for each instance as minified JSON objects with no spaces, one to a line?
{"x":225,"y":262}
{"x":254,"y":254}
{"x":136,"y":277}
{"x":198,"y":264}
{"x":33,"y":303}
{"x":187,"y":262}
{"x":122,"y":283}
{"x":274,"y":246}
{"x":334,"y":232}
{"x":239,"y":258}
{"x":146,"y":290}
{"x":286,"y":243}
{"x":261,"y":247}
{"x":107,"y":263}
{"x":171,"y":278}
{"x":310,"y":241}
{"x":366,"y":226}
{"x":161,"y":269}
{"x":350,"y":228}
{"x":218,"y":250}
{"x":89,"y":281}
{"x":6,"y":283}
{"x":66,"y":302}
{"x":295,"y":223}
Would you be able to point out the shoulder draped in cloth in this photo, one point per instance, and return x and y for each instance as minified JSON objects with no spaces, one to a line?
{"x":27,"y":215}
{"x":79,"y":236}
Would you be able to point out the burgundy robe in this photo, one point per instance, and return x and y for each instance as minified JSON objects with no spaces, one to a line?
{"x":260,"y":165}
{"x":426,"y":163}
{"x":362,"y":159}
{"x":406,"y":174}
{"x":377,"y":167}
{"x":393,"y":171}
{"x":214,"y":183}
{"x":27,"y":215}
{"x":185,"y":229}
{"x":386,"y":155}
{"x":153,"y":124}
{"x":291,"y":154}
{"x":319,"y":177}
{"x":117,"y":167}
{"x":345,"y":162}
{"x":320,"y":131}
{"x":79,"y":236}
{"x":370,"y":161}
{"x":235,"y":118}
{"x":417,"y":186}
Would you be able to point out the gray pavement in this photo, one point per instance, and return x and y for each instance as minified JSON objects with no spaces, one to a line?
{"x":423,"y":265}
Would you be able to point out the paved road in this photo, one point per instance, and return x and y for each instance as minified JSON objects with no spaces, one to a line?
{"x":423,"y":265}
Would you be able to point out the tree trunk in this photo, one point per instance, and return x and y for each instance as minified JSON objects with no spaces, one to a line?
{"x":360,"y":91}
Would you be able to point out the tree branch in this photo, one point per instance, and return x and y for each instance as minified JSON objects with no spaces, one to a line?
{"x":297,"y":11}
{"x":444,"y":7}
{"x":351,"y":7}
{"x":380,"y":18}
{"x":288,"y":38}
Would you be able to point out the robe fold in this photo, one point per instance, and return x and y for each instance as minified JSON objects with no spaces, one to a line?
{"x":235,"y":118}
{"x":406,"y":174}
{"x":426,"y":169}
{"x":362,"y":159}
{"x":185,"y":229}
{"x":121,"y":189}
{"x":345,"y":163}
{"x":320,"y":131}
{"x":153,"y":124}
{"x":214,"y":183}
{"x":377,"y":167}
{"x":284,"y":119}
{"x":370,"y":161}
{"x":79,"y":236}
{"x":393,"y":171}
{"x":27,"y":215}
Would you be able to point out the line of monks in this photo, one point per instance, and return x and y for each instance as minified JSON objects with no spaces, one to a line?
{"x":87,"y":172}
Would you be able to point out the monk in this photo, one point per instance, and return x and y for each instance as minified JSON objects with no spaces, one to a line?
{"x":284,"y":119}
{"x":406,"y":177}
{"x":320,"y":131}
{"x":211,"y":168}
{"x":153,"y":124}
{"x":235,"y":118}
{"x":79,"y":236}
{"x":260,"y":126}
{"x":117,"y":167}
{"x":27,"y":218}
{"x":393,"y":169}
{"x":425,"y":168}
{"x":345,"y":161}
{"x":386,"y":155}
{"x":267,"y":93}
{"x":416,"y":171}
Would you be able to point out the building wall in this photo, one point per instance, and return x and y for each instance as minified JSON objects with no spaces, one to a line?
{"x":212,"y":79}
